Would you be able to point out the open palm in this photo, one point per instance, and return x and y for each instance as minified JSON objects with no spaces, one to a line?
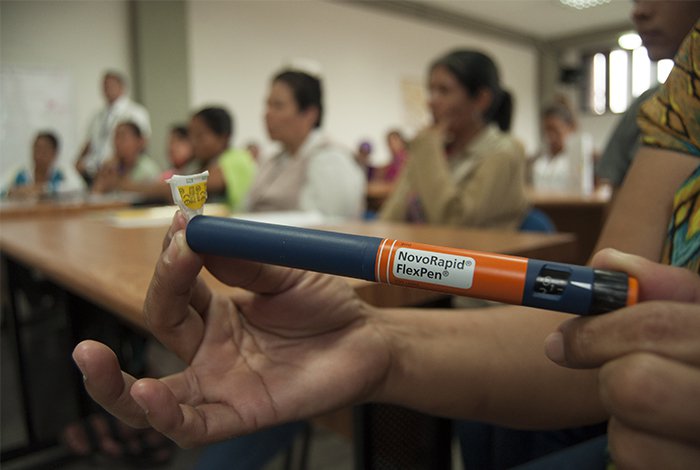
{"x":291,"y":345}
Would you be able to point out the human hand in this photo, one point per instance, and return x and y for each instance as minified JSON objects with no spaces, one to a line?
{"x":649,"y":360}
{"x":293,"y":345}
{"x":81,"y":166}
{"x":28,"y":191}
{"x":107,"y":178}
{"x":437,"y":128}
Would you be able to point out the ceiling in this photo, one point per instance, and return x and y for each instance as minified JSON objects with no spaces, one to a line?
{"x":540,"y":19}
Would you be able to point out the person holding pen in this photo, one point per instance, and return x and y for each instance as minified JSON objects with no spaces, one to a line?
{"x":292,"y":344}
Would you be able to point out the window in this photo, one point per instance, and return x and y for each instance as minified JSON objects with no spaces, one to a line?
{"x":616,"y":77}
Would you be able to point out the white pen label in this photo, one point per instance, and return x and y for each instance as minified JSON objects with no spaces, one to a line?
{"x":434,"y":268}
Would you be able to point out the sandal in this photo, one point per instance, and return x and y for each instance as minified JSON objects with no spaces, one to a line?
{"x":104,"y":435}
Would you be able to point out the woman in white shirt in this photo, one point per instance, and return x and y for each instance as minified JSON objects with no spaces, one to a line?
{"x":310,"y":173}
{"x":566,"y":163}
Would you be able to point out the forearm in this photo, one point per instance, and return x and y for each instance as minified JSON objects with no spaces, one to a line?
{"x":157,"y":190}
{"x":486,"y":364}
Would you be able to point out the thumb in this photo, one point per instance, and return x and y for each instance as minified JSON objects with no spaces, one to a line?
{"x":656,"y":281}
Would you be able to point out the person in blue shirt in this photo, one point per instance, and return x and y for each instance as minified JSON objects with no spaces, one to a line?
{"x":43,"y":177}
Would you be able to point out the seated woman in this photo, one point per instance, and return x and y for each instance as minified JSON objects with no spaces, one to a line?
{"x":311,"y":173}
{"x":130,"y":164}
{"x":44,"y":178}
{"x":398,"y":152}
{"x":566,"y":163}
{"x":464,"y":169}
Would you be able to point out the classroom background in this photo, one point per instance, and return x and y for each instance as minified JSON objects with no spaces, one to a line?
{"x":181,"y":55}
{"x":372,"y":56}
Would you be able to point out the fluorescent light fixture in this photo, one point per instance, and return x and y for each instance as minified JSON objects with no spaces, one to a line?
{"x":641,"y":71}
{"x":618,"y":80}
{"x":629,"y":41}
{"x":583,"y":4}
{"x":599,"y":89}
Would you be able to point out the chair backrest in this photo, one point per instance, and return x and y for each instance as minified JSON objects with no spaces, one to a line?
{"x":537,"y":221}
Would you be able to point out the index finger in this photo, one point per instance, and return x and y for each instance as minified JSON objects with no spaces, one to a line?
{"x":665,"y":328}
{"x":255,"y":277}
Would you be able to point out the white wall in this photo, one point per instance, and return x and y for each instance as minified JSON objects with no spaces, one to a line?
{"x":77,"y":41}
{"x":236,"y":47}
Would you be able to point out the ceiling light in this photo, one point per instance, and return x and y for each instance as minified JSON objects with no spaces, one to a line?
{"x":629,"y":41}
{"x":583,"y":4}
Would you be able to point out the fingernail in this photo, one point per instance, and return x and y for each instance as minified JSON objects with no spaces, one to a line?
{"x":81,"y":368}
{"x":134,"y":392}
{"x":179,"y":239}
{"x":554,"y":347}
{"x":179,"y":220}
{"x":139,"y":402}
{"x":175,"y":247}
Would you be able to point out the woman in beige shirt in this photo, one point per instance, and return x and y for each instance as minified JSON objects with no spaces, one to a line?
{"x":464,"y":169}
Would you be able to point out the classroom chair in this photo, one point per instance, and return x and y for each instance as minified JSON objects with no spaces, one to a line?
{"x":537,"y":220}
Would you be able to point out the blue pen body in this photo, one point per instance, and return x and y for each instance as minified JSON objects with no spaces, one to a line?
{"x":313,"y":250}
{"x":555,"y":286}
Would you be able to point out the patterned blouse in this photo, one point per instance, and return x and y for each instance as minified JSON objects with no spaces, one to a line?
{"x":671,"y":120}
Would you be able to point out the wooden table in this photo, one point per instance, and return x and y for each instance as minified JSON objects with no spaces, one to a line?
{"x":583,"y":216}
{"x":74,"y":204}
{"x":112,"y":266}
{"x":376,"y":193}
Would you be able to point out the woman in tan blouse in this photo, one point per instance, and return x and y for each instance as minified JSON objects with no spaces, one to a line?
{"x":464,"y":169}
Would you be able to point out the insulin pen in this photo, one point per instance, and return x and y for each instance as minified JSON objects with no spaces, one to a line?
{"x":510,"y":279}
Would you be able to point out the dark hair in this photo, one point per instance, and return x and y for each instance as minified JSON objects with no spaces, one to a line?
{"x":306,"y":89}
{"x":561,"y":108}
{"x":134,"y":128}
{"x":475,"y":71}
{"x":397,"y":133}
{"x":118,"y":76}
{"x":179,"y":130}
{"x":217,"y":119}
{"x":51,"y":137}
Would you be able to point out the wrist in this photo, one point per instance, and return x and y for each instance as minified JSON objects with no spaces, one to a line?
{"x":397,"y":339}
